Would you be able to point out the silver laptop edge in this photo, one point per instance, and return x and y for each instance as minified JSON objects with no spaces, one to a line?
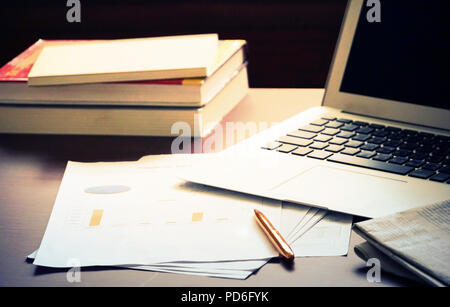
{"x":371,"y":106}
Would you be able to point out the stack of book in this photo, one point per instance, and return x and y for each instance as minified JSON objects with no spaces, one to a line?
{"x":123,"y":87}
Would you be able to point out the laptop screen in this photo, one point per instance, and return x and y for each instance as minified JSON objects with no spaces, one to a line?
{"x":404,"y":57}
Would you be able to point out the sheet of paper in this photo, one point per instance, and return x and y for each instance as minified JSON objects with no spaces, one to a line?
{"x":221,"y":269}
{"x":248,"y":265}
{"x":311,"y":212}
{"x":291,"y":216}
{"x":231,"y":274}
{"x":329,"y":237}
{"x":319,"y":215}
{"x":139,"y":213}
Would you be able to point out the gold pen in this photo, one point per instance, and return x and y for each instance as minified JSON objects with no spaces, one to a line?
{"x":274,"y":236}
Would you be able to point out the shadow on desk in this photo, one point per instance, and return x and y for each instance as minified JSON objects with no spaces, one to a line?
{"x":40,"y":270}
{"x":83,"y":148}
{"x":363,"y":270}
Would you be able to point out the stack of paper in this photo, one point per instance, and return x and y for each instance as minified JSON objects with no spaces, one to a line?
{"x":141,"y":216}
{"x":315,"y":232}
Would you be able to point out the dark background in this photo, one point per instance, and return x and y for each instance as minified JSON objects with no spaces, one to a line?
{"x":291,"y":43}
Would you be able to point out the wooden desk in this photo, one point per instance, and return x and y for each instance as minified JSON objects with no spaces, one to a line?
{"x":31,"y":168}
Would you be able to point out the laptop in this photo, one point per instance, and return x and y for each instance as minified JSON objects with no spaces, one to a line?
{"x":379,"y":143}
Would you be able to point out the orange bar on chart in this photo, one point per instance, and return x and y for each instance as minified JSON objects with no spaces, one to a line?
{"x":197,"y":216}
{"x":96,"y":217}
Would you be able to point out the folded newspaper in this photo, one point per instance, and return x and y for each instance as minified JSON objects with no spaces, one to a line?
{"x":418,"y":240}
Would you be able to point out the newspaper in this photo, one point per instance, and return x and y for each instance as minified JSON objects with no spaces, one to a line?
{"x":417,"y":239}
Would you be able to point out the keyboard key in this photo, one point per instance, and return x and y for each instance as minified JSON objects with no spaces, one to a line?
{"x":446,"y":161}
{"x":440,"y":151}
{"x":380,"y":133}
{"x":301,"y":151}
{"x":399,"y":160}
{"x":392,"y":143}
{"x":412,"y":139}
{"x":425,"y":148}
{"x":385,"y":149}
{"x":445,"y":170}
{"x":376,"y":126}
{"x":372,"y":164}
{"x":396,"y":136}
{"x":365,"y":130}
{"x":402,"y":153}
{"x":410,"y":132}
{"x":353,"y":144}
{"x":271,"y":145}
{"x":338,"y":141}
{"x":429,"y":141}
{"x":323,"y":138}
{"x":311,"y":128}
{"x":426,"y":134}
{"x":349,"y":127}
{"x":415,"y":163}
{"x":366,"y":154}
{"x":350,"y":151}
{"x":320,"y":154}
{"x":393,"y":129}
{"x":334,"y":148}
{"x":418,"y":155}
{"x":318,"y":145}
{"x":346,"y":134}
{"x":360,"y":123}
{"x":432,"y":166}
{"x":361,"y":137}
{"x":294,"y":141}
{"x":334,"y":124}
{"x":330,"y":131}
{"x":421,"y":173}
{"x":377,"y":140}
{"x":435,"y":158}
{"x":286,"y":148}
{"x":328,"y":117}
{"x":444,"y":138}
{"x":319,"y":122}
{"x":369,"y":147}
{"x":408,"y":145}
{"x":382,"y":157}
{"x":302,"y":134}
{"x":344,"y":120}
{"x":441,"y":177}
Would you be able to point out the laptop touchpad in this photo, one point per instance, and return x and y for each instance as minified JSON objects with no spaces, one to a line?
{"x":340,"y":189}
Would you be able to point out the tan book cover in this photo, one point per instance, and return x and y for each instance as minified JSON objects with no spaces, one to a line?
{"x":168,"y":57}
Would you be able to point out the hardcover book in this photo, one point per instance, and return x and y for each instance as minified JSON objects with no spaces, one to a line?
{"x":154,"y":58}
{"x":173,"y":92}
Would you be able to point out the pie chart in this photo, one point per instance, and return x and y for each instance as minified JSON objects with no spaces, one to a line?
{"x":107,"y":189}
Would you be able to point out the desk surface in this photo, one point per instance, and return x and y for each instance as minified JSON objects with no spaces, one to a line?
{"x":31,"y":168}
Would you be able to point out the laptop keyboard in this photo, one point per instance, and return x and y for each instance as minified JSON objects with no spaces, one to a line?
{"x":358,"y":143}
